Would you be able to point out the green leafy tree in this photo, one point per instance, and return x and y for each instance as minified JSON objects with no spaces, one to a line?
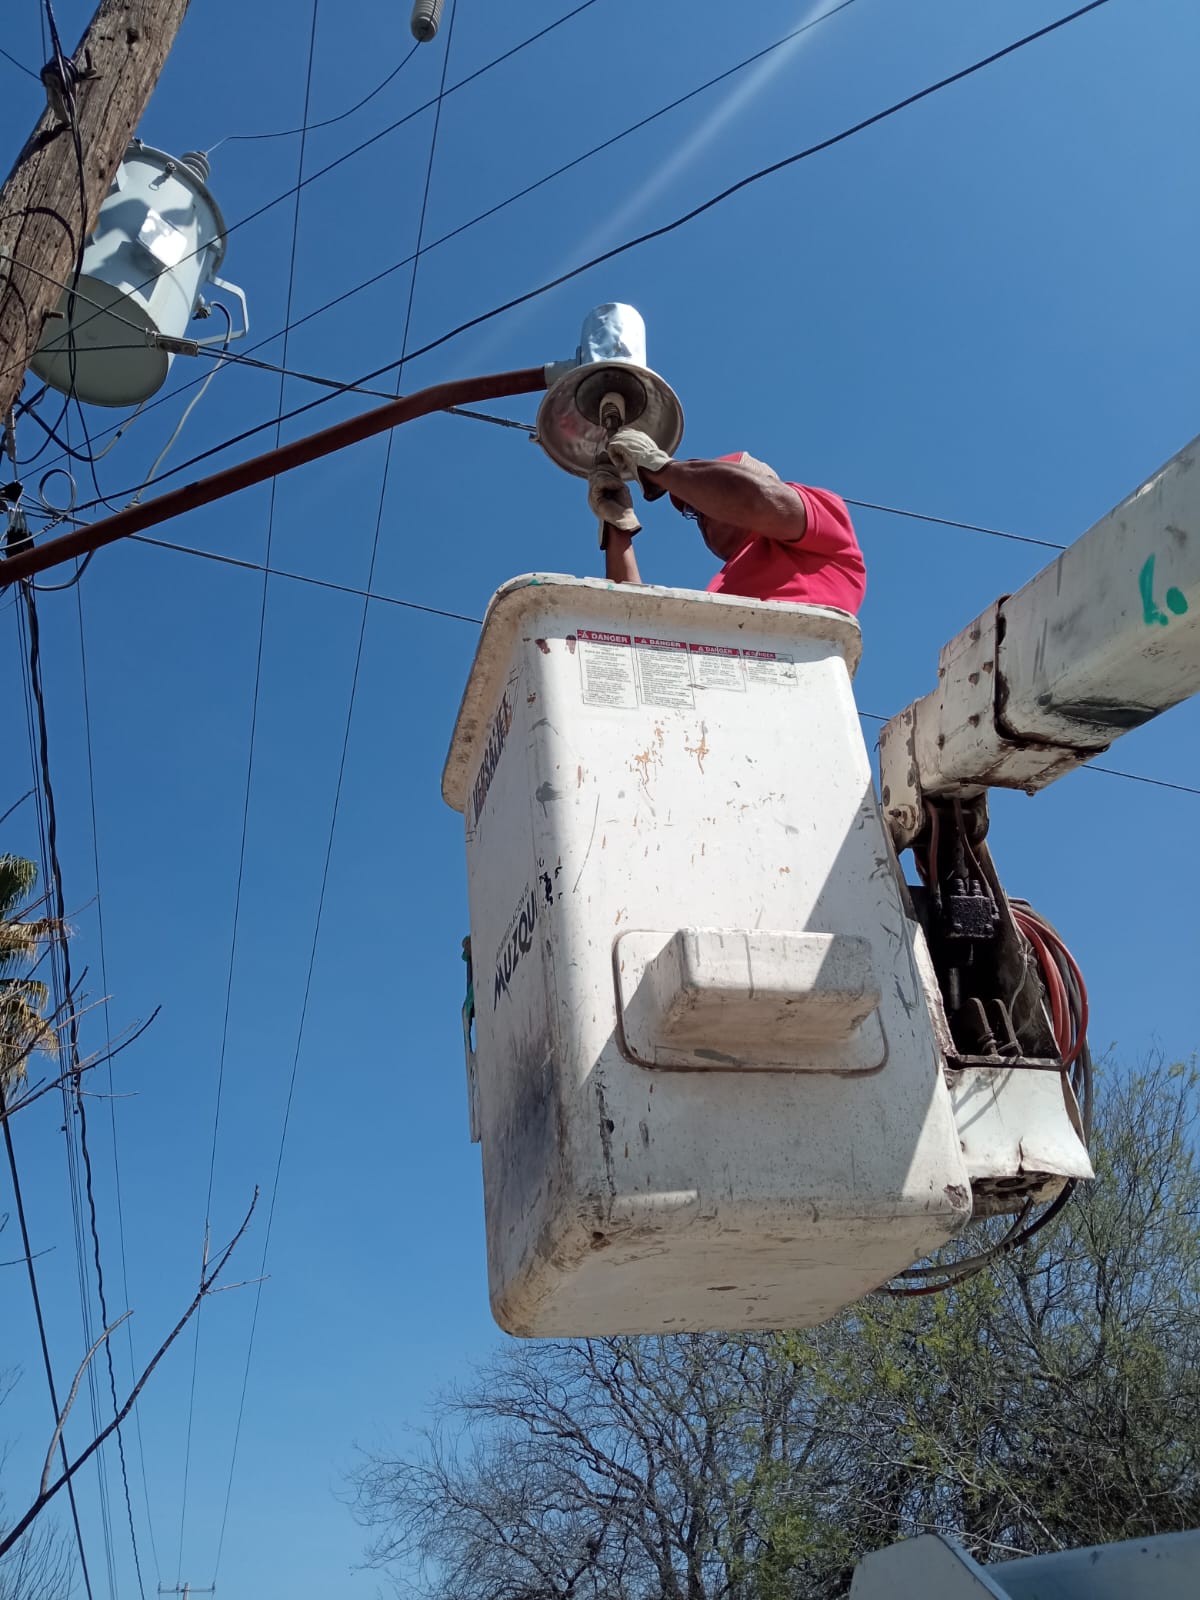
{"x":1052,"y":1401}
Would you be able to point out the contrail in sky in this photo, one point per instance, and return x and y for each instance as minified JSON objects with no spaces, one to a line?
{"x":664,"y":173}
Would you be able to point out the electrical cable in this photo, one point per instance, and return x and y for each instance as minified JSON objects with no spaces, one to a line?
{"x":243,"y":359}
{"x":576,"y":161}
{"x":241,"y":866}
{"x":664,"y":228}
{"x":39,"y":1317}
{"x":16,"y":805}
{"x":30,"y":684}
{"x":68,"y":1030}
{"x":61,"y":957}
{"x":311,"y":127}
{"x":1065,"y":992}
{"x":112,"y":1107}
{"x":950,"y":522}
{"x":460,"y":616}
{"x":501,"y":205}
{"x":20,"y":65}
{"x":348,"y":155}
{"x":192,"y":403}
{"x":341,"y":773}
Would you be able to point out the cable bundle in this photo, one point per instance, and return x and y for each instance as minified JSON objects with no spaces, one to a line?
{"x":1066,"y":994}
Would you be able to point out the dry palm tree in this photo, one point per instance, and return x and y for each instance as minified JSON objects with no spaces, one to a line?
{"x":24,"y":1026}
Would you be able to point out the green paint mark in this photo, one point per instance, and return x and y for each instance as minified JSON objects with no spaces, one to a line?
{"x":1150,"y":611}
{"x":1176,"y":600}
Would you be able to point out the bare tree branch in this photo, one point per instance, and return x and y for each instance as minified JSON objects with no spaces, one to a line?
{"x":66,"y":1410}
{"x":48,"y":1491}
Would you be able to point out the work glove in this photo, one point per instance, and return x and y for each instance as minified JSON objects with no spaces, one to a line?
{"x":612,"y":503}
{"x":633,"y":453}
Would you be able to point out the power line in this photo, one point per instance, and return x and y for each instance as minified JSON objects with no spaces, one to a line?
{"x":341,"y":773}
{"x":558,"y":172}
{"x":300,"y":577}
{"x":524,"y":427}
{"x":112,"y":1111}
{"x":66,"y":79}
{"x":348,"y":155}
{"x":27,"y":1248}
{"x":1139,"y":777}
{"x":950,"y":522}
{"x":29,"y":645}
{"x":16,"y":805}
{"x":744,"y":183}
{"x":501,"y":205}
{"x":245,"y":804}
{"x":311,"y":127}
{"x":20,"y":65}
{"x":460,"y":616}
{"x":662,"y":230}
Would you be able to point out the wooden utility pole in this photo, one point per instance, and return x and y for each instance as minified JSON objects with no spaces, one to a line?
{"x":186,"y":1590}
{"x":42,"y":211}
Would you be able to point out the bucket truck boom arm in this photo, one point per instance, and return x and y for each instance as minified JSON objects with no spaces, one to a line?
{"x":1100,"y":641}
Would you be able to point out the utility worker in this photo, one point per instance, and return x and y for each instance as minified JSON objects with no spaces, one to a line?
{"x":777,"y":540}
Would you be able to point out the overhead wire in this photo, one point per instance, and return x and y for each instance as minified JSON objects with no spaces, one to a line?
{"x":66,"y":76}
{"x":43,"y":1339}
{"x":461,"y":616}
{"x":338,"y":785}
{"x":226,"y":356}
{"x":20,"y":65}
{"x":311,"y":127}
{"x":501,"y":205}
{"x":30,"y":682}
{"x":60,"y":962}
{"x":576,"y":161}
{"x":663,"y":229}
{"x":392,"y":127}
{"x":112,"y":1111}
{"x":246,"y":798}
{"x":16,"y":805}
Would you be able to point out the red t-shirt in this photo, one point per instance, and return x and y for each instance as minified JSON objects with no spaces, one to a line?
{"x":825,"y":568}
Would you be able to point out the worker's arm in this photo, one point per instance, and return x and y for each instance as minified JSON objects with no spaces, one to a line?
{"x":620,"y":563}
{"x":610,"y":499}
{"x":728,"y":492}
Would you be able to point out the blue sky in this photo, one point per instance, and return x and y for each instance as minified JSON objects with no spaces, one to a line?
{"x":983,"y":309}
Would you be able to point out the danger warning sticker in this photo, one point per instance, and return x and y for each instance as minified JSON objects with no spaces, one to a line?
{"x":624,"y":670}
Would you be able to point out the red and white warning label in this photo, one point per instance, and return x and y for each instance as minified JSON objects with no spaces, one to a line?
{"x":664,"y":677}
{"x":624,"y":670}
{"x":606,"y":669}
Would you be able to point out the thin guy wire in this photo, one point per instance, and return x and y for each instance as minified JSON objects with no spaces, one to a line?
{"x":531,"y":431}
{"x":501,"y":205}
{"x":576,"y":161}
{"x":112,"y":1112}
{"x":81,"y":1109}
{"x":12,"y":1157}
{"x":16,"y":805}
{"x":348,"y":155}
{"x":460,"y":616}
{"x":262,"y":623}
{"x":525,"y":427}
{"x":68,"y":1031}
{"x":311,"y":127}
{"x":662,"y":230}
{"x":66,"y":1028}
{"x":27,"y":1247}
{"x":20,"y":65}
{"x":396,"y":266}
{"x":337,"y":795}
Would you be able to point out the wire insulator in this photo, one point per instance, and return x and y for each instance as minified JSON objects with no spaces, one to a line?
{"x":426,"y":18}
